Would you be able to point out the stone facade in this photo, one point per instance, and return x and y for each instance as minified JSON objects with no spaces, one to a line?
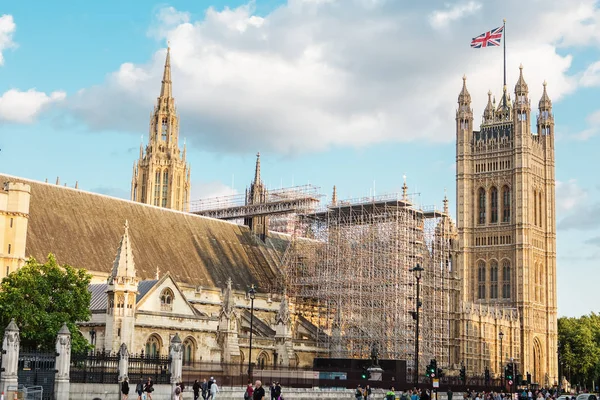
{"x":14,"y":215}
{"x":507,"y":233}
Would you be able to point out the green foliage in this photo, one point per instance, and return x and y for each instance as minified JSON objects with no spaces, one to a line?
{"x":579,"y":348}
{"x":41,"y":297}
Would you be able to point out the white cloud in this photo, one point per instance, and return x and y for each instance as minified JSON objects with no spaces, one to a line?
{"x":569,"y":195}
{"x":593,"y":128}
{"x":23,"y":107}
{"x":441,"y":18}
{"x":7,"y":29}
{"x":316,"y":74}
{"x":215,"y":190}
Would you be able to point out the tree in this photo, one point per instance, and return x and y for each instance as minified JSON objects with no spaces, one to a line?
{"x":579,"y":344}
{"x":41,"y":298}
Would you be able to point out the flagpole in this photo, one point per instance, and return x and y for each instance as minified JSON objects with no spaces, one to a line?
{"x":504,"y":33}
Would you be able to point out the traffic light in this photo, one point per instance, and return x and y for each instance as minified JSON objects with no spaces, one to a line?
{"x":528,"y":378}
{"x":463,"y":374}
{"x":508,"y":372}
{"x":365,"y":373}
{"x":440,"y":372}
{"x":431,"y":369}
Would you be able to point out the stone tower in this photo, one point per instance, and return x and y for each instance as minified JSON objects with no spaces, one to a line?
{"x":257,"y":194}
{"x":14,"y":218}
{"x":506,"y":220}
{"x":121,"y":295}
{"x":161,"y":176}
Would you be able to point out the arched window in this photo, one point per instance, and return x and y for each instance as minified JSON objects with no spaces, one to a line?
{"x":164,"y":129}
{"x":506,"y":279}
{"x":166,"y":300}
{"x":178,"y":191}
{"x":535,"y":208}
{"x":481,"y":203}
{"x":540,"y":208}
{"x":144,"y":179}
{"x":188,"y":351}
{"x":153,"y":346}
{"x":262,"y":361}
{"x":157,"y":188}
{"x":165,"y":188}
{"x":481,"y":280}
{"x":494,"y":204}
{"x":494,"y":279}
{"x":505,"y":204}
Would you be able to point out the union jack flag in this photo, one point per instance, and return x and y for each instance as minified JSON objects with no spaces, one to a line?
{"x":488,"y":39}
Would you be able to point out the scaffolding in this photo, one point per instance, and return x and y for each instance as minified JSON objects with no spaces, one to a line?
{"x":291,"y":200}
{"x":348,"y":269}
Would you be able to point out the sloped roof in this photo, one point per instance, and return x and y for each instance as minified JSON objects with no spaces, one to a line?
{"x":84,"y":229}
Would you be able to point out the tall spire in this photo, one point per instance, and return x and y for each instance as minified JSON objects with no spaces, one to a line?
{"x":166,"y":88}
{"x":257,"y":170}
{"x":545,"y":102}
{"x":446,"y":209}
{"x":124,"y":267}
{"x":464,"y":97}
{"x":404,"y":190}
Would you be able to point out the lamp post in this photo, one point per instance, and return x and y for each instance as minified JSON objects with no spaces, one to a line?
{"x":252,"y":295}
{"x":501,"y":336}
{"x":417,"y":270}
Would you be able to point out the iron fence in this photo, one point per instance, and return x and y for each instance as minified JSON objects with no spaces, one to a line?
{"x":94,"y":367}
{"x":142,"y":367}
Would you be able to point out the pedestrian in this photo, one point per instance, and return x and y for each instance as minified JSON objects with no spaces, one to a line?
{"x":391,"y":394}
{"x":259,"y":391}
{"x":208,"y":386}
{"x":125,"y":389}
{"x":149,"y":388}
{"x":277,"y":391}
{"x":177,"y":393}
{"x":249,"y":391}
{"x":367,"y":393}
{"x":182,"y":387}
{"x":196,"y":388}
{"x":358,"y":393}
{"x":214,"y":389}
{"x":140,"y":388}
{"x":449,"y":394}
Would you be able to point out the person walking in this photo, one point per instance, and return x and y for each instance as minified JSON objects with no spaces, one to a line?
{"x":449,"y":394}
{"x":196,"y":388}
{"x":214,"y":389}
{"x":125,"y":389}
{"x":140,"y":389}
{"x":149,"y":388}
{"x":249,"y":392}
{"x":259,"y":391}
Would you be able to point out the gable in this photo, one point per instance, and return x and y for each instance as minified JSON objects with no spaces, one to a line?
{"x":151,"y":301}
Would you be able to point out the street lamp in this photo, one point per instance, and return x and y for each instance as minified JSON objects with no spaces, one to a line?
{"x":252,"y":295}
{"x":501,"y":336}
{"x":417,"y":270}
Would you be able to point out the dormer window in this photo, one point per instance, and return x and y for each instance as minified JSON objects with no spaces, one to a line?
{"x":166,"y":300}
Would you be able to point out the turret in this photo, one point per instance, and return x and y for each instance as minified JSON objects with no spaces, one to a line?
{"x":545,"y":120}
{"x":522,"y":107}
{"x":464,"y":120}
{"x":489,"y":111}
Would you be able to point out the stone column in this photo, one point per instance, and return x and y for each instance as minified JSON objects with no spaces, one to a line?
{"x":63,"y":363}
{"x":123,"y":362}
{"x":176,"y":353}
{"x":10,"y":358}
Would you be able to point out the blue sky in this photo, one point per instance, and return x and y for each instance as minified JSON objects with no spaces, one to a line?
{"x":354,"y":93}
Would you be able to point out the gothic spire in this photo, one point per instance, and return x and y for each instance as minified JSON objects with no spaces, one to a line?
{"x":228,"y":300}
{"x":257,"y":170}
{"x":283,"y":315}
{"x":545,"y":102}
{"x":404,"y":190}
{"x":464,"y":97}
{"x":124,"y":265}
{"x":521,"y":86}
{"x":446,"y":209}
{"x":488,"y":113}
{"x":166,"y":88}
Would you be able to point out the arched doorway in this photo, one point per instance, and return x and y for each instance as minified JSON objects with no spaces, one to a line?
{"x":536,"y":374}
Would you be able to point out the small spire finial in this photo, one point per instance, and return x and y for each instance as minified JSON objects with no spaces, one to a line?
{"x":126,"y":224}
{"x":404,"y":189}
{"x":545,"y":83}
{"x":445,"y":201}
{"x":464,"y":78}
{"x":334,"y":196}
{"x":157,"y":273}
{"x":521,"y":66}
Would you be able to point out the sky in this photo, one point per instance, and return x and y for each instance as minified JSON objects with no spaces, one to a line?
{"x":352,"y":93}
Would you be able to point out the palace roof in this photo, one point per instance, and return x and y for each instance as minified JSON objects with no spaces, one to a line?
{"x":83,"y":230}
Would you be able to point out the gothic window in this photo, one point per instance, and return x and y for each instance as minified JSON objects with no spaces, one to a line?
{"x":9,"y":248}
{"x":262,"y":361}
{"x":143,"y":194}
{"x":481,"y":280}
{"x":536,"y":282}
{"x":153,"y":346}
{"x":166,"y":300}
{"x":481,"y":207}
{"x":494,"y":280}
{"x":164,"y":129}
{"x":535,"y":211}
{"x":165,"y":188}
{"x":505,"y":204}
{"x":179,"y":191}
{"x":494,"y":204}
{"x":540,"y":208}
{"x":157,"y":188}
{"x":506,"y":279}
{"x":188,"y":351}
